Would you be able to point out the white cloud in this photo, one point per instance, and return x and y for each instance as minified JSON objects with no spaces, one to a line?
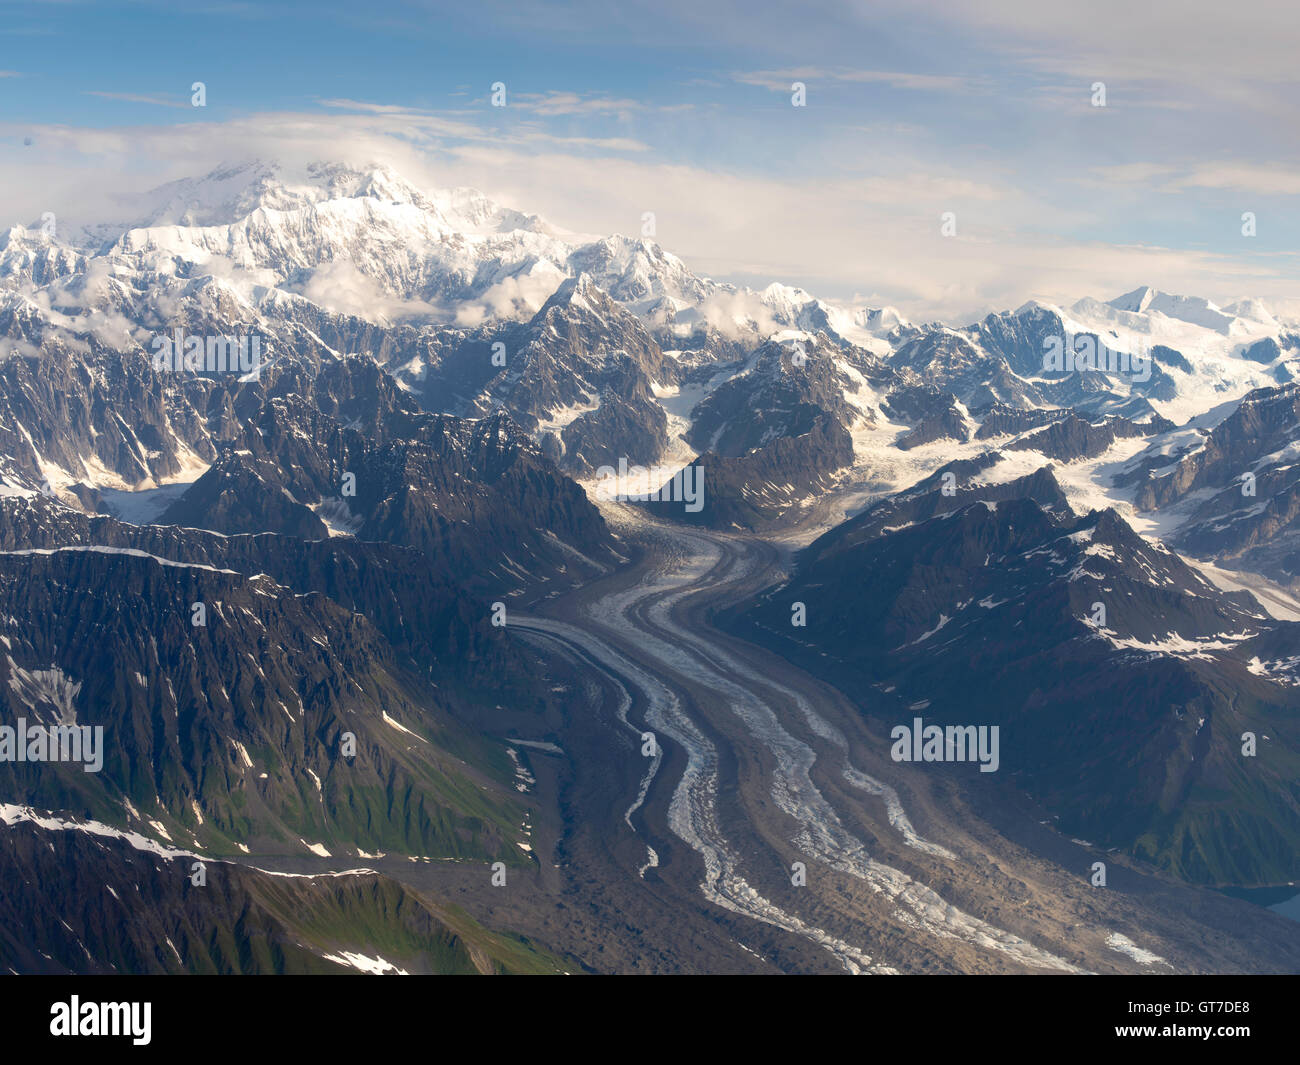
{"x":871,"y":225}
{"x":1265,"y":180}
{"x":340,"y":287}
{"x":572,"y":103}
{"x":512,"y":297}
{"x":1192,"y":38}
{"x":779,"y":80}
{"x":138,"y":98}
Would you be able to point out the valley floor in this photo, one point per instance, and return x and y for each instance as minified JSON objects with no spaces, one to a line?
{"x":684,"y":859}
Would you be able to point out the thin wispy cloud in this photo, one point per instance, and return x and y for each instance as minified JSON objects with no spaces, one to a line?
{"x":780,"y":80}
{"x":572,"y":103}
{"x":550,"y":104}
{"x":1263,"y":180}
{"x":465,"y":123}
{"x":1266,"y":180}
{"x":138,"y":98}
{"x":369,"y":108}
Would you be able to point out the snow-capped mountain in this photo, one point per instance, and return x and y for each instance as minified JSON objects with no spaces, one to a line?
{"x":601,"y":347}
{"x":1234,"y":490}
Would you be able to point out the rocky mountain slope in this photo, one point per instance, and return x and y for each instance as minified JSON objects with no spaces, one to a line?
{"x":1122,"y":681}
{"x":239,"y":921}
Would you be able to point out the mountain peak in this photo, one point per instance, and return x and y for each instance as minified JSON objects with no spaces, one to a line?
{"x":1136,"y":301}
{"x":579,"y":291}
{"x":233,"y":191}
{"x":1194,"y":310}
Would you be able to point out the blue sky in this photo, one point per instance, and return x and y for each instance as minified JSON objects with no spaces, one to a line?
{"x":913,"y":109}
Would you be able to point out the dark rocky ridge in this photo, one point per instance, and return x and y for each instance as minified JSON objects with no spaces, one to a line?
{"x":477,"y":498}
{"x":240,"y":922}
{"x":228,"y":734}
{"x":434,"y":623}
{"x":1132,"y":747}
{"x":1245,"y":470}
{"x":760,"y":488}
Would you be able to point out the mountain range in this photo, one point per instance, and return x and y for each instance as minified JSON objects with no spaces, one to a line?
{"x":285,"y":587}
